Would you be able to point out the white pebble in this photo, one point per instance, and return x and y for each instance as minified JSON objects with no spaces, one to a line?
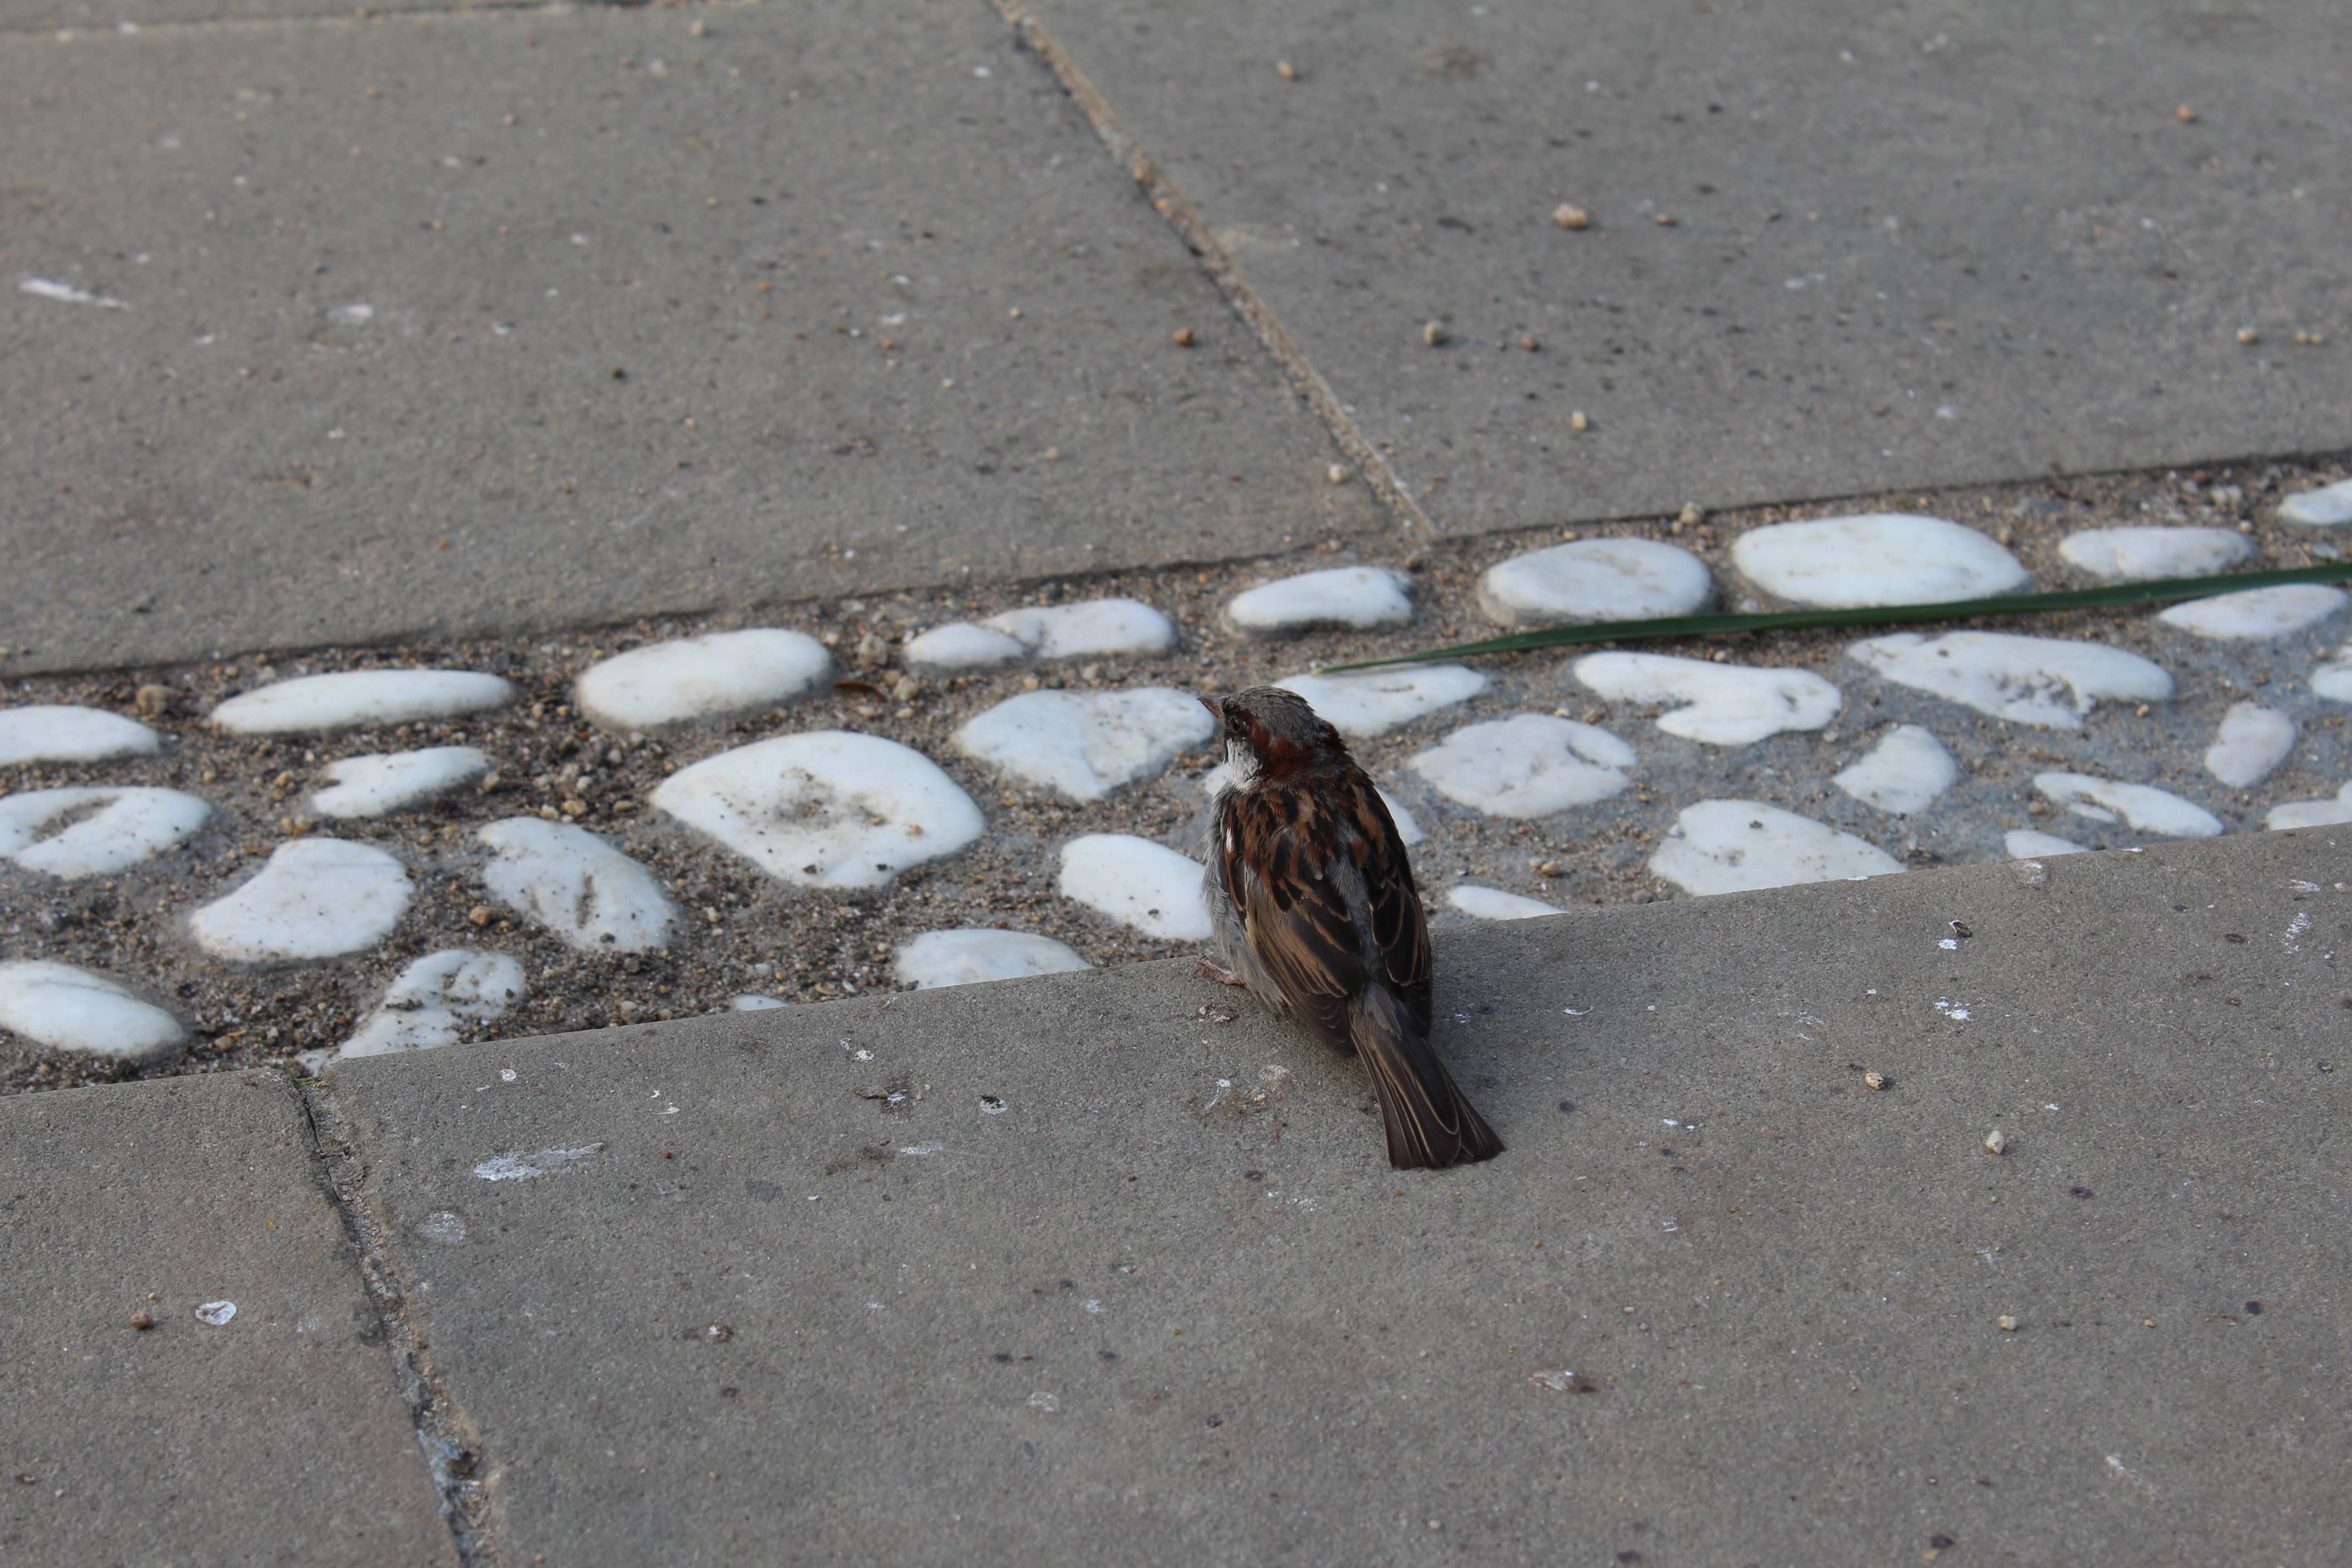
{"x":1531,"y":765}
{"x":1884,"y":557}
{"x":1137,"y":883}
{"x":1996,"y":1141}
{"x":2328,"y":506}
{"x":752,"y":1002}
{"x":2313,"y":812}
{"x":1493,"y":904}
{"x":1595,"y":579}
{"x":703,"y":678}
{"x":1374,"y":701}
{"x":2257,"y":613}
{"x":829,"y":808}
{"x":1356,"y":598}
{"x":2252,"y":742}
{"x":1085,"y":744}
{"x":382,"y":782}
{"x":70,"y":1009}
{"x":436,"y":999}
{"x":315,"y":898}
{"x":959,"y":644}
{"x":2031,"y":681}
{"x":2026,"y":843}
{"x":2143,"y":806}
{"x":976,"y":955}
{"x":1903,"y":773}
{"x":49,"y":732}
{"x":71,"y":833}
{"x":1731,"y":846}
{"x":587,"y":893}
{"x":360,"y":697}
{"x":2138,"y":555}
{"x":1091,"y":628}
{"x":1719,"y":704}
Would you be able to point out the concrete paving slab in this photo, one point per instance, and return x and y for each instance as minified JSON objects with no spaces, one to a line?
{"x":275,"y":1435}
{"x":125,"y":15}
{"x":497,"y":320}
{"x":1101,"y":1268}
{"x":1857,"y":247}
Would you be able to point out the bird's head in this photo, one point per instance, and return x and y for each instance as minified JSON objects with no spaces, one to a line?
{"x":1269,"y":735}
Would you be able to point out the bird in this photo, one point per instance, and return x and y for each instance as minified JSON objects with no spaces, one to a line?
{"x":1313,"y":908}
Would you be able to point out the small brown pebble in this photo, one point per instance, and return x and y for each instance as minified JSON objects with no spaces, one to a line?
{"x":152,"y":700}
{"x":1664,"y":220}
{"x":1571,"y":217}
{"x":143,"y":1320}
{"x":1692,"y":516}
{"x":481,"y":915}
{"x":1875,"y":1079}
{"x":2147,"y":1322}
{"x":1285,"y":70}
{"x":1432,"y":332}
{"x":1181,"y":337}
{"x":1531,"y":344}
{"x":1576,"y":421}
{"x":2186,"y":115}
{"x":2248,"y":336}
{"x":1337,"y":473}
{"x":2005,"y":1323}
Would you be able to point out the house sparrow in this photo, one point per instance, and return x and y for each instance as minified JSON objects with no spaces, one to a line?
{"x":1314,"y":909}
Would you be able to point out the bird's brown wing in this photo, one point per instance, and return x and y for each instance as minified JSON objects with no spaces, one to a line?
{"x":1323,"y":937}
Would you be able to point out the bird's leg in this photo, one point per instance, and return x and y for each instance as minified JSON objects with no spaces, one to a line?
{"x":1210,"y":969}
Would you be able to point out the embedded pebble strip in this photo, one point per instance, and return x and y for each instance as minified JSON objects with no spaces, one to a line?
{"x":838,"y":809}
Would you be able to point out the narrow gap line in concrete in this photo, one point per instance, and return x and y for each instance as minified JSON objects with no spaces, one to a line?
{"x":461,"y":1472}
{"x":1172,"y":203}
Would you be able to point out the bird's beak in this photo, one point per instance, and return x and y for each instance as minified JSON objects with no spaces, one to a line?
{"x":1216,"y":708}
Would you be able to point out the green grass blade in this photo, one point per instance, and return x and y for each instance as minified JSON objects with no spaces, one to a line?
{"x":2158,"y":591}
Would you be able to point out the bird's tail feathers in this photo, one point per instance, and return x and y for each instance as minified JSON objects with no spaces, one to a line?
{"x":1429,"y":1119}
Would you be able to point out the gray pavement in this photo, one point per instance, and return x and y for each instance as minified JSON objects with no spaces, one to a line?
{"x":1117,"y":1280}
{"x":1908,"y":246}
{"x":501,"y":320}
{"x":276,"y":1436}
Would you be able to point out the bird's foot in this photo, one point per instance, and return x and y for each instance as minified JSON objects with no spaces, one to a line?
{"x":1210,"y":969}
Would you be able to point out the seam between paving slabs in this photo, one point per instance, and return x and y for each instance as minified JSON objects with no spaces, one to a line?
{"x":468,"y":1483}
{"x":1172,"y":203}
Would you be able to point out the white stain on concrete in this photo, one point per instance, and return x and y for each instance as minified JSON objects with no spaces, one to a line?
{"x":520,"y":1166}
{"x":66,"y":294}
